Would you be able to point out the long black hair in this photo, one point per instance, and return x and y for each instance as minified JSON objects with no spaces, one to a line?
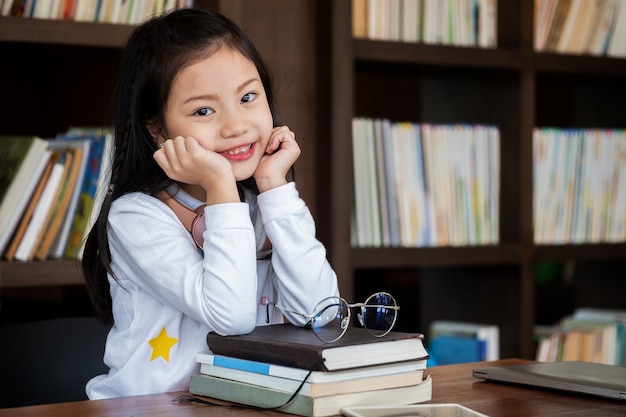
{"x":156,"y":52}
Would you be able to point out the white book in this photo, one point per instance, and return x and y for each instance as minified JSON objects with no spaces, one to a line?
{"x":606,"y":24}
{"x":410,"y":22}
{"x":360,"y":197}
{"x":317,"y":389}
{"x":374,"y":225}
{"x":25,"y":249}
{"x":402,"y":181}
{"x":419,"y":206}
{"x":21,"y":189}
{"x":617,"y":44}
{"x":381,"y":174}
{"x":298,"y":374}
{"x":426,"y":133}
{"x":390,"y":177}
{"x":487,"y":23}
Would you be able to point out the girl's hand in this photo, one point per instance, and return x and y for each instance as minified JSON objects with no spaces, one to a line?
{"x":281,"y":153}
{"x":183,"y":159}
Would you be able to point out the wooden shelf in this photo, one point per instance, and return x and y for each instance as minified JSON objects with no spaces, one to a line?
{"x":601,"y":252}
{"x":416,"y":53}
{"x":591,"y":66}
{"x":435,"y":256}
{"x":63,"y":32}
{"x":40,"y":274}
{"x":484,"y":255}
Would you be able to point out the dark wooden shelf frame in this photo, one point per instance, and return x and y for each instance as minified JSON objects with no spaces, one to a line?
{"x":63,"y":32}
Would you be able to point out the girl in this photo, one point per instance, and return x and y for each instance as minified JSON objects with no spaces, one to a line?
{"x":196,"y":149}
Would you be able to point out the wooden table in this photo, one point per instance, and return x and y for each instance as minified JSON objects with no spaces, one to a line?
{"x":451,"y":384}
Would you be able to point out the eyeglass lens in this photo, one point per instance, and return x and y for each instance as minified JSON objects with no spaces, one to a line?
{"x":378,"y":315}
{"x":331,"y":319}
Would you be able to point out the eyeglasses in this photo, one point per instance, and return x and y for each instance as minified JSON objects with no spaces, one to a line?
{"x":331,"y":317}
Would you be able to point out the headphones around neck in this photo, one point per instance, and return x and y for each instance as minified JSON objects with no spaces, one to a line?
{"x":191,"y":219}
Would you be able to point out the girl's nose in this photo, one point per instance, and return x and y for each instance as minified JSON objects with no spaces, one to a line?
{"x":234,"y":124}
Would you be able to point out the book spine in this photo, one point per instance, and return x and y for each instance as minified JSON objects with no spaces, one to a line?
{"x":264,"y":380}
{"x":275,"y":354}
{"x":252,"y":395}
{"x":252,"y":366}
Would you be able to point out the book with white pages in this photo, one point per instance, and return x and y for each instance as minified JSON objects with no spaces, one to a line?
{"x":25,"y":249}
{"x":298,"y":374}
{"x":316,"y":389}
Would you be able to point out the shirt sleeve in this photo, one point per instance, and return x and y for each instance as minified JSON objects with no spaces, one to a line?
{"x":151,"y":248}
{"x":303,"y":274}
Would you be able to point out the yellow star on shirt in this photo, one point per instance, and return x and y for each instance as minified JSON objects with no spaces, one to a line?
{"x":161,"y":345}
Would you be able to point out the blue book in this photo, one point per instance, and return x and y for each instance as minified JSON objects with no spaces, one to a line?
{"x":449,"y":349}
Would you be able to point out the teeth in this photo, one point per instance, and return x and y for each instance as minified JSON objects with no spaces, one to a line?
{"x":239,"y":150}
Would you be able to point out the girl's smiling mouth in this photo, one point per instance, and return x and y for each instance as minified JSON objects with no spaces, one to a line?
{"x":239,"y":153}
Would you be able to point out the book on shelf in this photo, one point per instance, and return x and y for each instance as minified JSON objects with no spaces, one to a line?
{"x":428,"y":185}
{"x":578,"y":185}
{"x":60,"y":241}
{"x":111,"y":11}
{"x":304,"y":405}
{"x":25,"y":250}
{"x":317,"y":382}
{"x":23,"y":160}
{"x":580,"y":27}
{"x":92,"y":192}
{"x":14,"y":243}
{"x":74,"y":163}
{"x":359,"y":18}
{"x":461,"y":23}
{"x":458,"y":342}
{"x":589,"y":334}
{"x":289,"y":345}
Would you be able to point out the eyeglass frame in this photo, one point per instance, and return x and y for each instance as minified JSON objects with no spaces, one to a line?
{"x":345,"y":322}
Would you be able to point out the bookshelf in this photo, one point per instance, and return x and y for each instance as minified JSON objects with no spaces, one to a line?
{"x":511,"y":86}
{"x":66,"y":69}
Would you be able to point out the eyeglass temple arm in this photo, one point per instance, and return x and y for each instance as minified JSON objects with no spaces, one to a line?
{"x":267,"y":310}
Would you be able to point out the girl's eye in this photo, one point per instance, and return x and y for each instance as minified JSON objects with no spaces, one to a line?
{"x":248,"y":97}
{"x":204,"y":111}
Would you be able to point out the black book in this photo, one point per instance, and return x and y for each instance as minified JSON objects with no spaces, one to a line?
{"x":297,"y":347}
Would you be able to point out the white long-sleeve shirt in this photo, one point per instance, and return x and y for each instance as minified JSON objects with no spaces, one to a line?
{"x":170,"y":295}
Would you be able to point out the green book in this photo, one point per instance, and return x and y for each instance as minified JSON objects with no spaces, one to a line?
{"x":268,"y":398}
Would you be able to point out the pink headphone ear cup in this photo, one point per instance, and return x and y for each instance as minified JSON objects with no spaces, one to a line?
{"x":197,"y":229}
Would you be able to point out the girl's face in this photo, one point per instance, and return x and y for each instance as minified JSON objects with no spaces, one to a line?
{"x":220,"y":101}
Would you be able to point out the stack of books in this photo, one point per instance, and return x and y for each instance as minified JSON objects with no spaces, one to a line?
{"x":286,"y":368}
{"x":589,"y":335}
